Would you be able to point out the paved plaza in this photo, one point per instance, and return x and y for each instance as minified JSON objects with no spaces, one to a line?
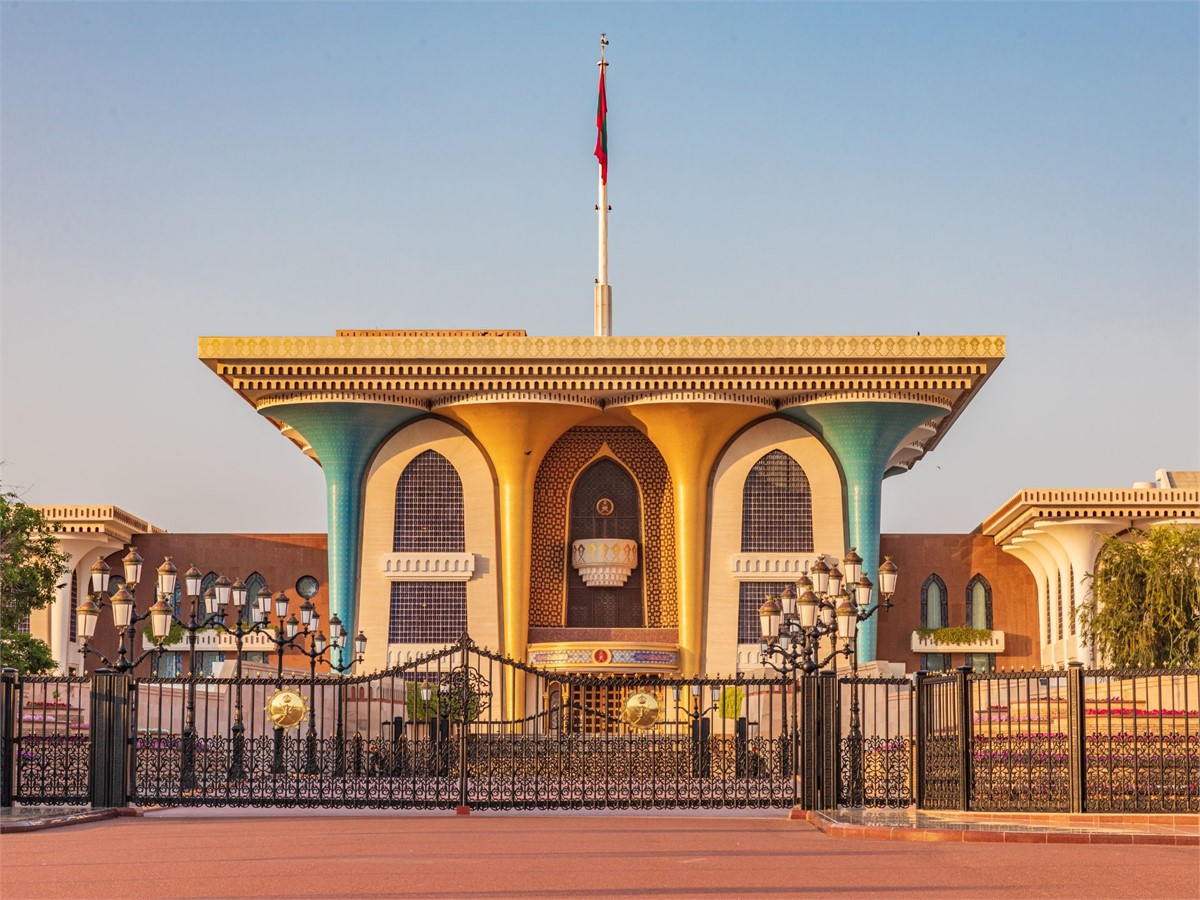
{"x":252,"y":853}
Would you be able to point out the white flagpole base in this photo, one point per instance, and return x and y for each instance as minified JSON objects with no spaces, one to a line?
{"x":603,"y":310}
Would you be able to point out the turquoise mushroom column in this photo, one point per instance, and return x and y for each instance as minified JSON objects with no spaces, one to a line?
{"x":863,"y":435}
{"x":344,"y":436}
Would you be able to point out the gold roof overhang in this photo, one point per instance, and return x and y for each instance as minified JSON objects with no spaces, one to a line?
{"x":438,"y":370}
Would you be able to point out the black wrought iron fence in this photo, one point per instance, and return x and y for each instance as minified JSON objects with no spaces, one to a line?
{"x":1103,"y":740}
{"x":877,"y":758}
{"x":465,"y":725}
{"x":48,"y":739}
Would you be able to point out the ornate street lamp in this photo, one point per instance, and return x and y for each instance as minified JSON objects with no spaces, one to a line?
{"x":793,"y":627}
{"x":124,"y":613}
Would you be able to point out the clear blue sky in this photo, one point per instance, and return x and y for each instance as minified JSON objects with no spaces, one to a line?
{"x":171,"y":170}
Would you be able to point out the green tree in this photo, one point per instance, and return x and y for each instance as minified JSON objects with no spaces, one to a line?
{"x":1143,"y":610}
{"x":31,"y":565}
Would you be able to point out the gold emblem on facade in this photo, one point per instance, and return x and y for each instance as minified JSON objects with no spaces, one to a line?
{"x":641,"y":710}
{"x":287,"y":709}
{"x":604,"y":507}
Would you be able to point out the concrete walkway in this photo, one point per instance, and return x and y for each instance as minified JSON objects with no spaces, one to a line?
{"x":197,"y":853}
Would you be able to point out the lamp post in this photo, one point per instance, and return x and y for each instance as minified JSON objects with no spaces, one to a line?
{"x":701,"y":727}
{"x":794,"y":626}
{"x":318,"y":646}
{"x":125,"y":616}
{"x":248,"y":620}
{"x":285,"y":636}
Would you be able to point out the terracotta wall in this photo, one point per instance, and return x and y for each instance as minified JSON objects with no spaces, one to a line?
{"x":280,"y":558}
{"x":957,"y":558}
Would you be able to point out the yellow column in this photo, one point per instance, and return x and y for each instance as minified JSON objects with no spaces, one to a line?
{"x":516,"y":436}
{"x":689,"y":435}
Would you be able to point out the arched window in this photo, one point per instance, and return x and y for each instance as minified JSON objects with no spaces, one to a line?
{"x":979,"y":615}
{"x":254,"y":584}
{"x":429,"y":519}
{"x":935,"y":613}
{"x":979,"y":603}
{"x":935,"y":609}
{"x":620,"y":517}
{"x":208,"y":581}
{"x":429,"y":507}
{"x":777,"y":507}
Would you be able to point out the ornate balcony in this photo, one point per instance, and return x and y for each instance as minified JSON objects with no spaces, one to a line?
{"x":604,"y":562}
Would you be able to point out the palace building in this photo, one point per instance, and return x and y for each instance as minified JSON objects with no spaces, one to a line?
{"x":583,"y":502}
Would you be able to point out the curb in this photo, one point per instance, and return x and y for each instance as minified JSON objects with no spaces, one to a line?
{"x":91,"y":815}
{"x":990,"y":833}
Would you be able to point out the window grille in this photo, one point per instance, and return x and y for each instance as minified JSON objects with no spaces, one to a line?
{"x":73,"y":633}
{"x":777,"y":507}
{"x":427,"y":612}
{"x":751,"y":595}
{"x":1058,"y":603}
{"x":429,"y":507}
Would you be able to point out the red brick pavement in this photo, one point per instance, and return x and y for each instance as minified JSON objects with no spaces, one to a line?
{"x":219,"y":854}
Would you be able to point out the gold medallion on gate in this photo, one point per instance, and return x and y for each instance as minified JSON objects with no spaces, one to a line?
{"x":287,"y":709}
{"x":641,"y":710}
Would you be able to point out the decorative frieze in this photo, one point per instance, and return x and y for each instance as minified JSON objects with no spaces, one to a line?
{"x":771,"y":566}
{"x":429,"y":566}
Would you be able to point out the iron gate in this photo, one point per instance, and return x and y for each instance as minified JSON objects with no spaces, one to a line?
{"x":466,"y":726}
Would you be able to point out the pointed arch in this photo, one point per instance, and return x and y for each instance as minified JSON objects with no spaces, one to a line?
{"x":613,"y":606}
{"x":935,"y":613}
{"x":429,"y":507}
{"x":777,"y":507}
{"x":979,"y":603}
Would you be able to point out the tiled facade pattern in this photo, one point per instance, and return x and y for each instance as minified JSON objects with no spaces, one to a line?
{"x":617,"y":657}
{"x":549,"y":555}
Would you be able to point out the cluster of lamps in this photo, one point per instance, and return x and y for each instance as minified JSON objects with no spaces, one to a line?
{"x":826,"y":603}
{"x":222,"y":595}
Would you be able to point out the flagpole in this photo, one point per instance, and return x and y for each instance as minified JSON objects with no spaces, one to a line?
{"x":603,"y":298}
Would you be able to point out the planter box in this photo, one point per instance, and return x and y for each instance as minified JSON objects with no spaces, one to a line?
{"x":994,"y":644}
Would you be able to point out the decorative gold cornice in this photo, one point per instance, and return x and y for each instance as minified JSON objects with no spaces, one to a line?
{"x":691,"y":397}
{"x":470,"y":347}
{"x":886,"y":395}
{"x":391,"y":399}
{"x":518,"y":397}
{"x":445,"y":370}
